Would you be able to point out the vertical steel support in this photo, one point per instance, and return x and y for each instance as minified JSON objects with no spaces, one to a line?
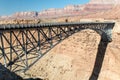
{"x":50,"y":37}
{"x":69,"y":30}
{"x":10,"y":50}
{"x":24,"y":39}
{"x":26,"y":43}
{"x":38,"y":39}
{"x":3,"y":49}
{"x":39,"y":42}
{"x":59,"y":32}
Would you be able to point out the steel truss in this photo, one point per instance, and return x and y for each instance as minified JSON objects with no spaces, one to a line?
{"x":21,"y":48}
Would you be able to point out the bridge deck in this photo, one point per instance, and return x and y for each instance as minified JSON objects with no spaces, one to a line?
{"x":37,"y":25}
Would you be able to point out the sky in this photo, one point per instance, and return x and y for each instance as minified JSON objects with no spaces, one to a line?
{"x":8,"y":7}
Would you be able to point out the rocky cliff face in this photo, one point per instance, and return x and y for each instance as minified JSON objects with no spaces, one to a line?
{"x":24,"y":15}
{"x":105,"y":2}
{"x":93,"y":6}
{"x":32,"y":14}
{"x":110,"y":14}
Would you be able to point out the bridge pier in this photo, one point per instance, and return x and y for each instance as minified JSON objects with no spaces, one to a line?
{"x":107,"y":33}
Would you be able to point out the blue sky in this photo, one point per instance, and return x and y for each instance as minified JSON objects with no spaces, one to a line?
{"x":8,"y":7}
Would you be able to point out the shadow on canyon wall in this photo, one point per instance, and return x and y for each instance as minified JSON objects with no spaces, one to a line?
{"x":99,"y":60}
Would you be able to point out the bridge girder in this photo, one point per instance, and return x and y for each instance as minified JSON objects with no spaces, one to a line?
{"x":21,"y":48}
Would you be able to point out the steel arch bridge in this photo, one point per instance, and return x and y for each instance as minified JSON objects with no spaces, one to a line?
{"x":21,"y":45}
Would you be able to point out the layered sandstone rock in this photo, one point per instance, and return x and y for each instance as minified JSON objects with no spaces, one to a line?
{"x":104,"y":2}
{"x":110,"y":14}
{"x":93,"y":6}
